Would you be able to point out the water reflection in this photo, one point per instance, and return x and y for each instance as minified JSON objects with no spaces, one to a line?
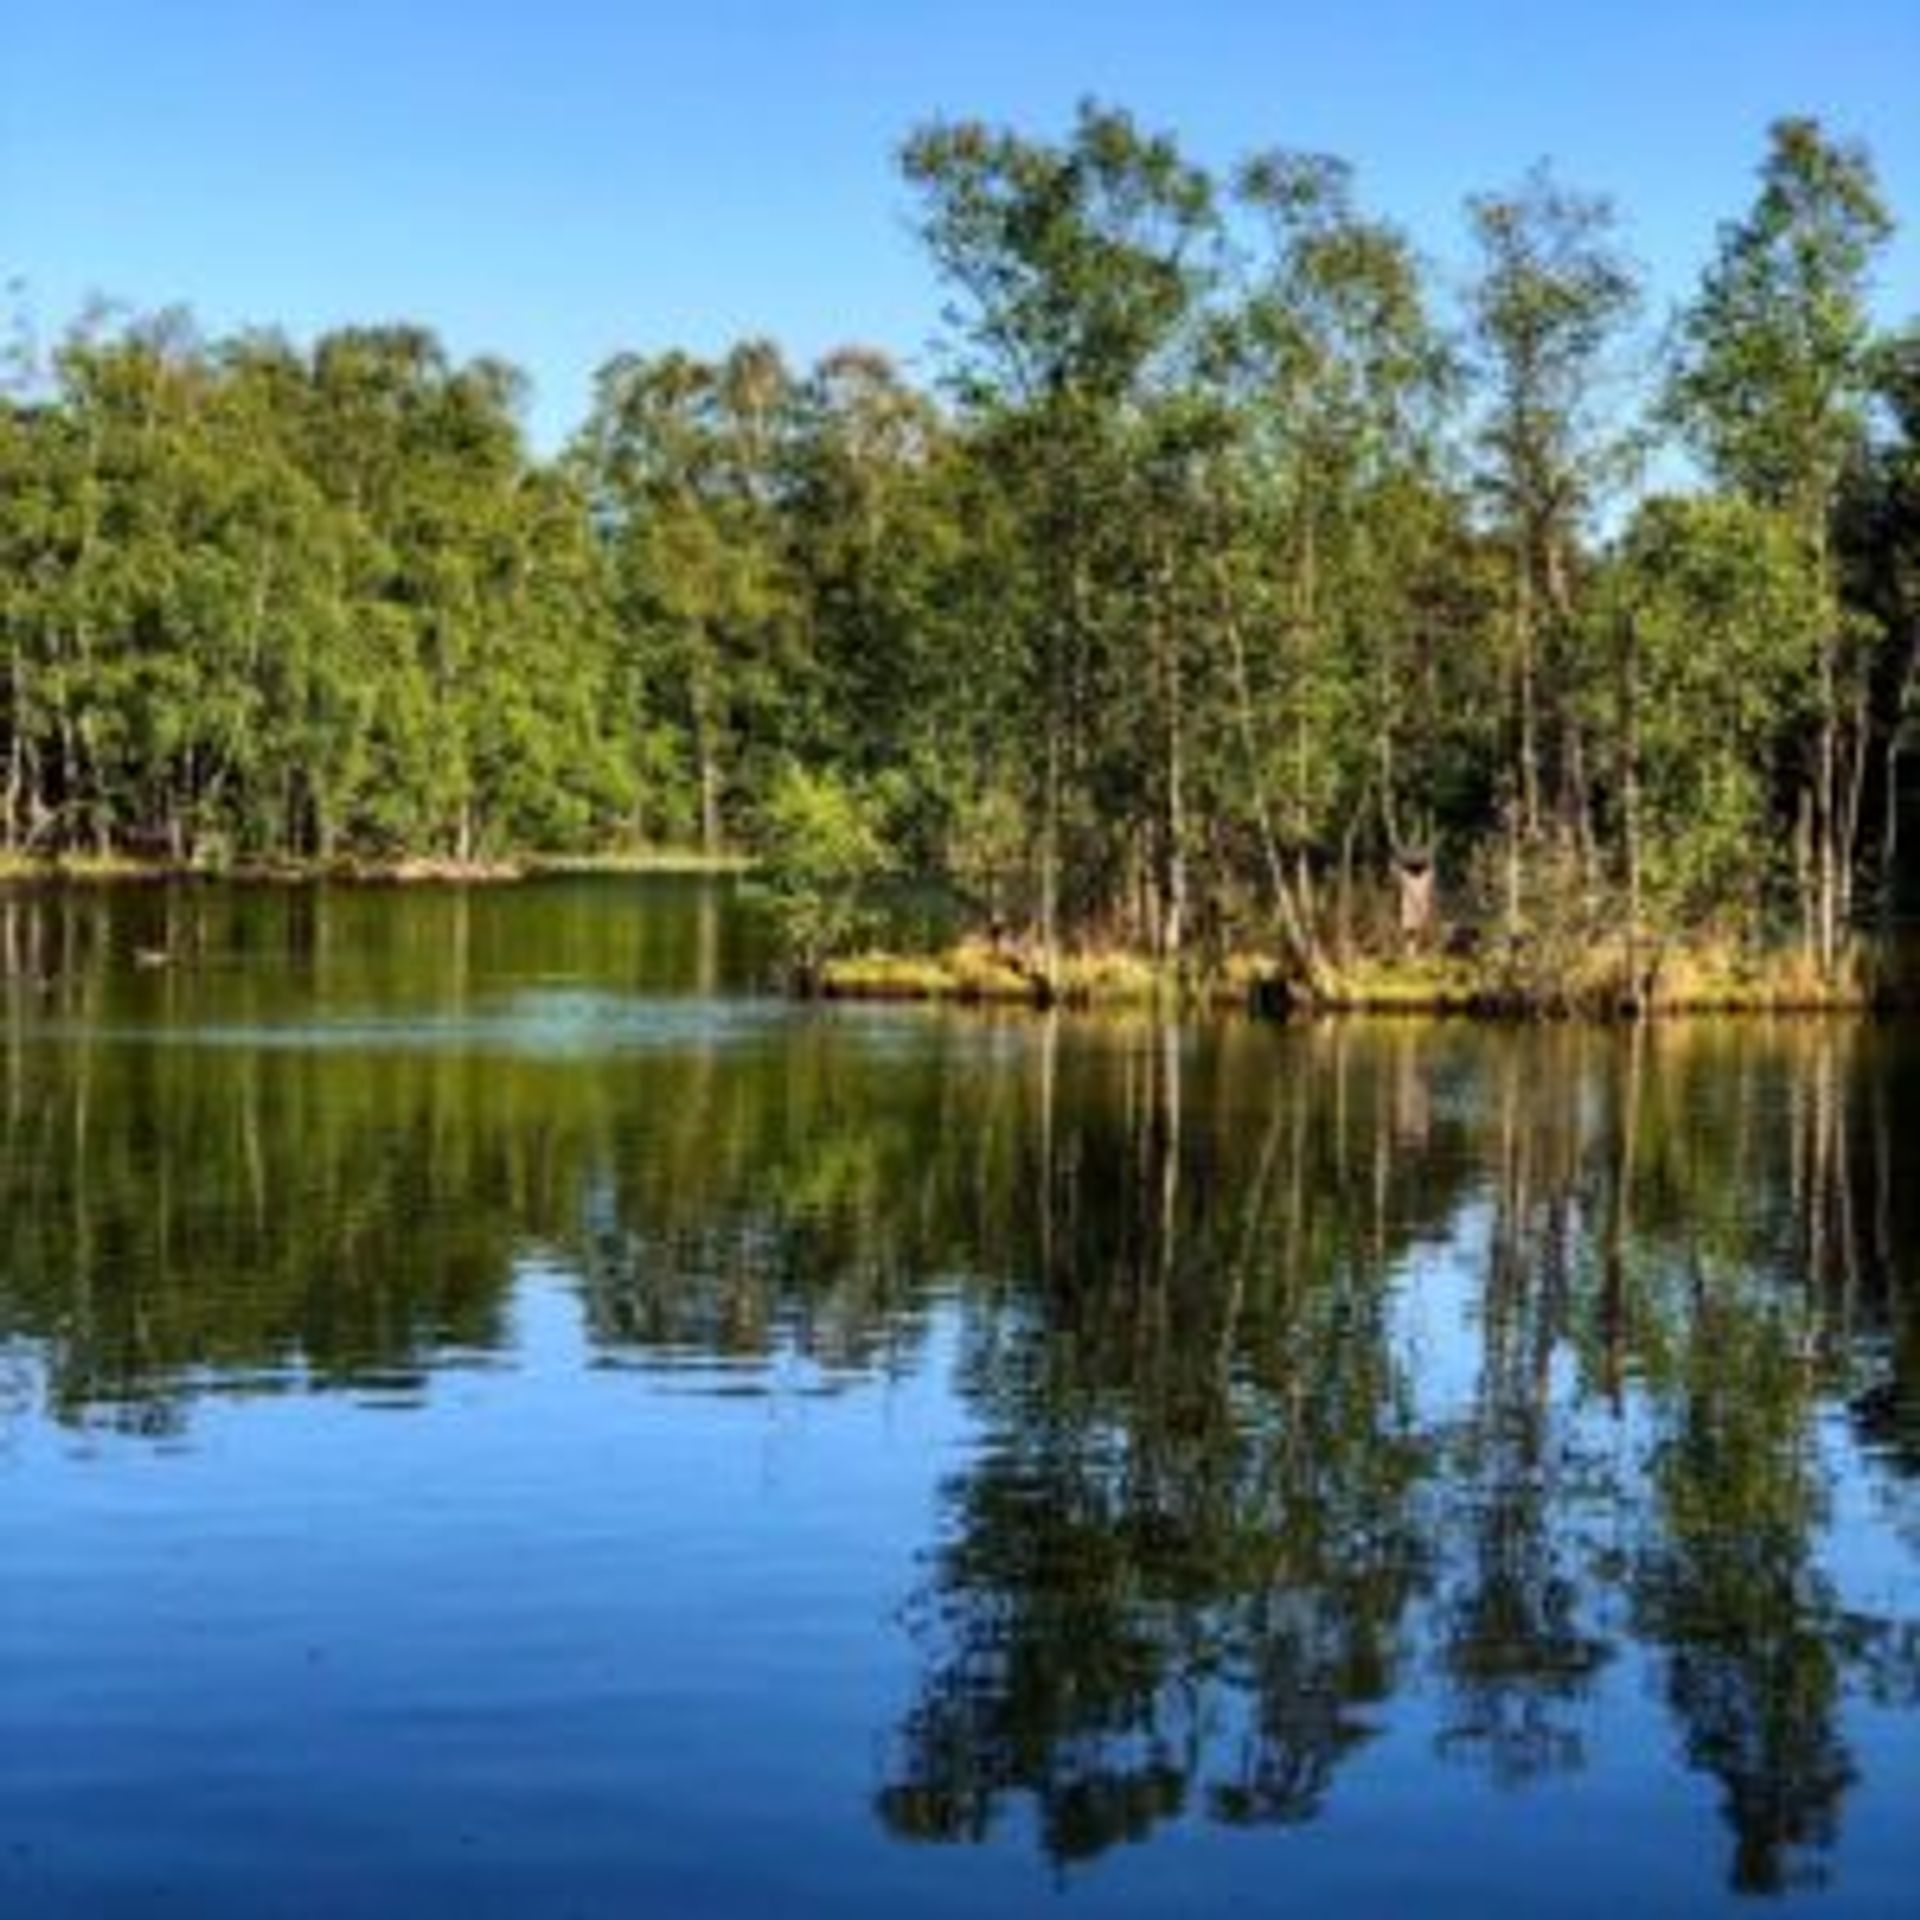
{"x":1320,"y":1385}
{"x":1220,"y":1518}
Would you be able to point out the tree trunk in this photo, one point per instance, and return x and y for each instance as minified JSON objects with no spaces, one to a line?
{"x":1302,"y":950}
{"x":1827,"y":821}
{"x":1890,"y":836}
{"x":1511,"y":823}
{"x":1173,"y":877}
{"x":706,"y":765}
{"x":1852,"y":799}
{"x":1050,"y":852}
{"x":10,"y":835}
{"x":1630,"y":804}
{"x":1827,"y":826}
{"x":1527,"y":700}
{"x":1343,"y":898}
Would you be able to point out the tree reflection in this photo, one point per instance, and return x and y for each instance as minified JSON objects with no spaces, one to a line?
{"x":1728,"y":1585}
{"x":1518,"y":1647}
{"x":1218,"y":1520}
{"x":1746,"y":1336}
{"x":1174,"y":1577}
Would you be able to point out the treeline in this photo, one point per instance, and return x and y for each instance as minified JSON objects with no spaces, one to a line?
{"x":1233,"y":588}
{"x":260,"y":601}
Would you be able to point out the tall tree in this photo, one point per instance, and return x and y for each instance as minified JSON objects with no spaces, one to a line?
{"x":1771,"y":387}
{"x":1879,"y":544}
{"x":1549,"y":302}
{"x":1075,"y":267}
{"x":685,"y":463}
{"x":1337,"y":382}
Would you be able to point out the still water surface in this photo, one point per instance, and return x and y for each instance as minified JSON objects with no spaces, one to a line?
{"x":497,"y":1415}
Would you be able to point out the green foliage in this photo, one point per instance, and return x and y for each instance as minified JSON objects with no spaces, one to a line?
{"x":824,"y":855}
{"x":1550,"y":301}
{"x":267,"y":603}
{"x":1772,"y":378}
{"x":1773,"y":386}
{"x":1723,"y":622}
{"x":1220,"y":590}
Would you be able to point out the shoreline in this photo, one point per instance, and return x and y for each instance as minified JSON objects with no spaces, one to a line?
{"x":410,"y":871}
{"x":1877,"y":976}
{"x":1872,"y":979}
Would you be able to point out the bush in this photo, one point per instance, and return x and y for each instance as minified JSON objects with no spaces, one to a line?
{"x":825,"y":859}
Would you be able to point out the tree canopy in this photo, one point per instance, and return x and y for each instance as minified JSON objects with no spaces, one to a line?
{"x":1244,"y":580}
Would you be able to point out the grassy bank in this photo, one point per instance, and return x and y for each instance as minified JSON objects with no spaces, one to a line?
{"x":1606,"y":981}
{"x":105,"y":869}
{"x":19,"y":866}
{"x":1609,"y":980}
{"x":691,"y":861}
{"x":978,"y":973}
{"x":412,"y":870}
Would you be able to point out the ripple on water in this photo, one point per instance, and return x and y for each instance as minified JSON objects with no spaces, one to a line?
{"x":544,"y":1024}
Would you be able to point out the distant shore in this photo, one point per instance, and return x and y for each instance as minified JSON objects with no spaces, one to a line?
{"x":413,"y":870}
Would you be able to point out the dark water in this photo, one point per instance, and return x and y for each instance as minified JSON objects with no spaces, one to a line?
{"x":494,"y":1417}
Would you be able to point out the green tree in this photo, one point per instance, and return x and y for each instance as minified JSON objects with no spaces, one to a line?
{"x":1075,"y":268}
{"x":1718,"y":626}
{"x":683,"y":461}
{"x":1335,"y":507}
{"x":1771,"y":386}
{"x":1548,"y":304}
{"x":1878,"y":537}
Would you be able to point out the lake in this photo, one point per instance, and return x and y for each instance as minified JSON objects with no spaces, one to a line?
{"x":500,"y":1413}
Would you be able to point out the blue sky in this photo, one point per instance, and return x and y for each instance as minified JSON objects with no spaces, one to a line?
{"x":559,"y":179}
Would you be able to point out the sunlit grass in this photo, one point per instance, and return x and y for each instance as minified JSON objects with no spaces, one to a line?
{"x":1602,"y":980}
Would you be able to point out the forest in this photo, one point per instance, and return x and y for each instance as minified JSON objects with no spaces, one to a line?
{"x":1237,"y":579}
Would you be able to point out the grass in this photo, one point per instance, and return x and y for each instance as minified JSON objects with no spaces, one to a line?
{"x":80,"y":866}
{"x":669,"y":860}
{"x":408,"y":870}
{"x":971,"y":971}
{"x":978,"y":973}
{"x":1417,"y":984}
{"x":1607,"y":978}
{"x":1722,"y":979}
{"x":1600,"y":980}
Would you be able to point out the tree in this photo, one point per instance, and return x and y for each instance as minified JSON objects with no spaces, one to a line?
{"x":1771,"y":386}
{"x":1552,"y":295}
{"x":1336,"y":385}
{"x":1878,"y":537}
{"x":825,"y":852}
{"x":1717,"y":626}
{"x":683,"y":462}
{"x":1075,"y":267}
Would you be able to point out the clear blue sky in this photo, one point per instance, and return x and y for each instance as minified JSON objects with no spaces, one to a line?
{"x":557,"y":179}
